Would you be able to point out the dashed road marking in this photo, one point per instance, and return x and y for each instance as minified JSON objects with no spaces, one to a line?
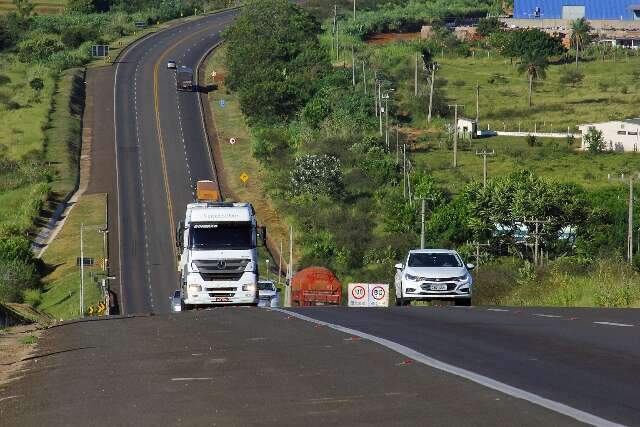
{"x":552,"y":316}
{"x":614,"y":324}
{"x":192,"y":379}
{"x":497,"y":309}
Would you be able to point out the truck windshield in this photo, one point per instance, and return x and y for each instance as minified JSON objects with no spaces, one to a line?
{"x":434,"y":259}
{"x":229,"y":235}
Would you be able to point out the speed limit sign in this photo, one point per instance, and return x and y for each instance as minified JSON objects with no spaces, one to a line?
{"x":378,"y":295}
{"x":358,"y":295}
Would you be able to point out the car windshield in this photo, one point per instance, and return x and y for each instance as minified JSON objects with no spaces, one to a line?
{"x":265,"y":286}
{"x":229,"y":235}
{"x":434,"y":259}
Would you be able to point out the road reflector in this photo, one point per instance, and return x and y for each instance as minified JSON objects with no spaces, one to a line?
{"x":244,"y":177}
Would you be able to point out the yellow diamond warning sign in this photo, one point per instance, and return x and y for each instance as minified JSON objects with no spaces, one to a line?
{"x":244,"y":177}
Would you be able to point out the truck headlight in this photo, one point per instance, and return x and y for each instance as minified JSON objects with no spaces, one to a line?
{"x":194,"y":268}
{"x":195,"y":288}
{"x":249,"y":288}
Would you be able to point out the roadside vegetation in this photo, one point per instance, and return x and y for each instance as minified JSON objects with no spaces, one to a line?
{"x":328,"y":169}
{"x":41,"y":103}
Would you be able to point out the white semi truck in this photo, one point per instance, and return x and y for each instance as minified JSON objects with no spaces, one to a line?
{"x":219,"y":256}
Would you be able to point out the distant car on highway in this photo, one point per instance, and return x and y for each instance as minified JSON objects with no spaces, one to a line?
{"x":176,"y":301}
{"x":433,"y":274}
{"x":171,"y":65}
{"x":268,"y":294}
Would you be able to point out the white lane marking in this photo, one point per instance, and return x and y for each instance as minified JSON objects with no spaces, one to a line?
{"x":192,"y":379}
{"x":8,"y":398}
{"x":613,"y":324}
{"x":497,"y":309}
{"x":552,"y":405}
{"x":553,"y":316}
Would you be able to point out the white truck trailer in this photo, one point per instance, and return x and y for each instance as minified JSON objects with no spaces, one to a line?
{"x":219,"y":257}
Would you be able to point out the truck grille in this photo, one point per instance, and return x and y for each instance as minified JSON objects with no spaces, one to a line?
{"x":221,"y":269}
{"x":222,"y":294}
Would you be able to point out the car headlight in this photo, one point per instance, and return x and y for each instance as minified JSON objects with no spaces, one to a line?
{"x":195,"y":288}
{"x":465,"y":278}
{"x":249,"y":288}
{"x":411,"y":277}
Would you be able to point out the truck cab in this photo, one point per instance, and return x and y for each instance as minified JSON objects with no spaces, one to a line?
{"x":184,"y":79}
{"x":219,"y":258}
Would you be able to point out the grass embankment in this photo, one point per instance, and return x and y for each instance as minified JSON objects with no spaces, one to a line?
{"x":24,"y":119}
{"x":42,"y":7}
{"x":61,"y":296}
{"x":238,"y":158}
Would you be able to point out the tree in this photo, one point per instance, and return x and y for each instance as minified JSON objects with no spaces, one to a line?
{"x":275,"y":64}
{"x":529,"y":42}
{"x":487,"y":26}
{"x":533,"y":64}
{"x":594,"y":140}
{"x":317,"y":174}
{"x":81,"y":6}
{"x":580,"y":29}
{"x":23,"y":7}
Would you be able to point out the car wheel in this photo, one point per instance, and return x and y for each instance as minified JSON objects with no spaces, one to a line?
{"x":463,"y":302}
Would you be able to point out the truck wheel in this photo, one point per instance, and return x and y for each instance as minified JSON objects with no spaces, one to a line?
{"x":407,"y":301}
{"x":463,"y":302}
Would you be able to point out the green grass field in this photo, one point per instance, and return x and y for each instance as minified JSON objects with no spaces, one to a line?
{"x":554,"y":159}
{"x":41,"y":6}
{"x":61,"y":296}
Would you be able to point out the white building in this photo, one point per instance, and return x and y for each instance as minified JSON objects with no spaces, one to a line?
{"x":467,"y":128}
{"x":619,"y":135}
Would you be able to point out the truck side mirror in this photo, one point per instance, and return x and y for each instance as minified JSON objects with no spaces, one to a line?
{"x":179,"y":234}
{"x":262,"y":235}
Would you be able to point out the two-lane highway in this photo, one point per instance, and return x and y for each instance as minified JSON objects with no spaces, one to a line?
{"x":161,"y":151}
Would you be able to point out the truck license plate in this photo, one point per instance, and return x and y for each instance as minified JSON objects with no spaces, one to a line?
{"x":221,"y":299}
{"x":438,"y":287}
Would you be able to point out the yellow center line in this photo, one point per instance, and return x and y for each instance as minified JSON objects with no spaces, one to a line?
{"x":165,"y":175}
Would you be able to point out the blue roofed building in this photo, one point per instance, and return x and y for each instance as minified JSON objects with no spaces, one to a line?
{"x":624,"y":10}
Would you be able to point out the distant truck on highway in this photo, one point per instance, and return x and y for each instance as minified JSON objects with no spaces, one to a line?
{"x":315,"y":286}
{"x":184,"y":79}
{"x":219,"y":257}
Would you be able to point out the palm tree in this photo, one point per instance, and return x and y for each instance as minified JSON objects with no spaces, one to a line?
{"x":534,"y":66}
{"x":580,"y":35}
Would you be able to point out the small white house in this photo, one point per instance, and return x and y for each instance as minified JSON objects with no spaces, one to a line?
{"x":619,"y":135}
{"x":467,"y":128}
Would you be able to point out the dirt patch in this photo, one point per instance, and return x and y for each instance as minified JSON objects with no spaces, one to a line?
{"x":16,"y":344}
{"x":384,"y":38}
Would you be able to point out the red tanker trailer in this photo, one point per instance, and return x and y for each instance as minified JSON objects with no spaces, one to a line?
{"x":315,"y":286}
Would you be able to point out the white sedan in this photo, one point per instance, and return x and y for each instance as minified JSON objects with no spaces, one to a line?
{"x":434,"y":274}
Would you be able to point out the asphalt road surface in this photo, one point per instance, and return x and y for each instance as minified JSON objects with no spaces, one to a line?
{"x":242,"y":366}
{"x":161,"y":152}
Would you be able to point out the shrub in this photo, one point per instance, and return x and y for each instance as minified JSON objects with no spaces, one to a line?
{"x":39,"y":48}
{"x":73,"y":37}
{"x":571,"y":77}
{"x":532,"y":141}
{"x":37,"y":84}
{"x":16,"y":276}
{"x":33,"y":297}
{"x":595,"y":141}
{"x":317,"y":174}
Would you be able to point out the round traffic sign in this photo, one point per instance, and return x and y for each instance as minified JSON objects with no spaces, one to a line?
{"x":358,"y":292}
{"x":378,"y":293}
{"x":232,"y":141}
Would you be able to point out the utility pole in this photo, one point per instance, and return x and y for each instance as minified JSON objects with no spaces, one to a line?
{"x":455,"y":134}
{"x":478,"y":104}
{"x":536,"y":247}
{"x":353,"y":65}
{"x":386,"y":113}
{"x":82,"y":270}
{"x":354,"y":10}
{"x":478,"y":255}
{"x":375,"y":91}
{"x":433,"y":78}
{"x":380,"y":104}
{"x":280,"y":264}
{"x":404,"y":170}
{"x":484,"y":153}
{"x":337,"y":42}
{"x":630,"y":231}
{"x":415,"y":83}
{"x":364,"y":78}
{"x":290,"y":269}
{"x":335,"y":29}
{"x":397,"y":145}
{"x":422,"y":226}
